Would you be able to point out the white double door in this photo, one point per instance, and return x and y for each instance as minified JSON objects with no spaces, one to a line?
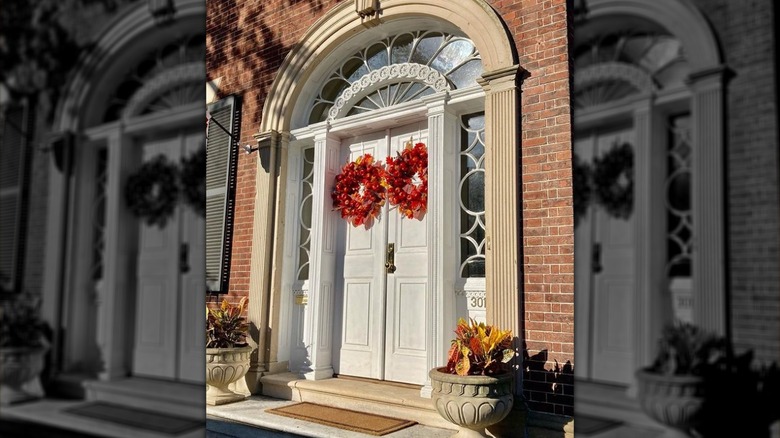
{"x":169,"y":325}
{"x":382,"y":313}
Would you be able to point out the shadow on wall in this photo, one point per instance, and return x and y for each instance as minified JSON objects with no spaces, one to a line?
{"x":236,"y":42}
{"x":547,"y":386}
{"x":701,"y":388}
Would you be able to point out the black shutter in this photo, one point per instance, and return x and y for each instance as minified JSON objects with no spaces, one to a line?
{"x":221,"y":163}
{"x":15,"y":126}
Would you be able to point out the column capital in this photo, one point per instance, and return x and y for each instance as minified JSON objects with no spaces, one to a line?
{"x":272,"y":138}
{"x":710,"y":78}
{"x":501,"y":79}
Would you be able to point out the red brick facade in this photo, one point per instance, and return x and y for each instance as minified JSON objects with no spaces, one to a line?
{"x":246,"y":46}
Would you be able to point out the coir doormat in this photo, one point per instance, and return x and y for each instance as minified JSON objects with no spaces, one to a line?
{"x":138,"y":418}
{"x":370,"y":424}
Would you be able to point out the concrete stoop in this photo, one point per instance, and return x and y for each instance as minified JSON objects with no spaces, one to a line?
{"x":370,"y":397}
{"x":174,"y":398}
{"x":396,"y":401}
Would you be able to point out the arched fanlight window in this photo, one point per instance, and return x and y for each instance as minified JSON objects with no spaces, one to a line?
{"x":625,"y":62}
{"x":395,"y":70}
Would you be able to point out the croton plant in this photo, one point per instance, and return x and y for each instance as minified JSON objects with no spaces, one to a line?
{"x":479,"y":349}
{"x":225,"y":326}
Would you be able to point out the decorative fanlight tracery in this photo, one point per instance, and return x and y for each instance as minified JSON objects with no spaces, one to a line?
{"x":395,"y":70}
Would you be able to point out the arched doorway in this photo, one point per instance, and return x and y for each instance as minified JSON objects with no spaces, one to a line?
{"x":130,"y":287}
{"x":319,"y":116}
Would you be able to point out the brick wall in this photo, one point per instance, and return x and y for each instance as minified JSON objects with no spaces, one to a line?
{"x":245,"y":47}
{"x":747,"y":36}
{"x":542,"y":33}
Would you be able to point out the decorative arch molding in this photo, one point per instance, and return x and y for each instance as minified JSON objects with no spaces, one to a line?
{"x":362,"y":87}
{"x":475,"y":18}
{"x":327,"y":42}
{"x":615,"y":70}
{"x":682,"y":20}
{"x":124,"y":41}
{"x":180,"y":75}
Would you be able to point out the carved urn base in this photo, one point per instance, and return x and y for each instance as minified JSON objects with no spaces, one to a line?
{"x":473,"y":403}
{"x":674,"y":401}
{"x":223,"y":367}
{"x":20,"y":369}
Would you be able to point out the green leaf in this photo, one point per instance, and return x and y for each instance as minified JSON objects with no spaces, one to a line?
{"x":508,"y":355}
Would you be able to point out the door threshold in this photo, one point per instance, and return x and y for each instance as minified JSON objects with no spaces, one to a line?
{"x":378,"y":381}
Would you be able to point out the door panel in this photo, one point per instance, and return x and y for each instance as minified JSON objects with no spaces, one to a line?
{"x":407,"y":288}
{"x":192,"y":268}
{"x":361,"y":290}
{"x":604,"y":277}
{"x":158,"y":284}
{"x":169,"y":340}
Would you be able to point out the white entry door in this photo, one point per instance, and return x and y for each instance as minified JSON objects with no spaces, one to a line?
{"x":383,"y":315}
{"x":169,"y":333}
{"x":604,"y":277}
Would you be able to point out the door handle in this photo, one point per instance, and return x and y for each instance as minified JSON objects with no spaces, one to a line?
{"x":184,"y":258}
{"x":390,"y":263}
{"x":596,"y":258}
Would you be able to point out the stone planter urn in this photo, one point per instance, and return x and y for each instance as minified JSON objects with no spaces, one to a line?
{"x":20,"y":368}
{"x":473,"y":403}
{"x":223,"y":367}
{"x":674,"y":401}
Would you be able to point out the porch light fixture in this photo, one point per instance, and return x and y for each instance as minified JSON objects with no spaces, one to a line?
{"x":249,"y":149}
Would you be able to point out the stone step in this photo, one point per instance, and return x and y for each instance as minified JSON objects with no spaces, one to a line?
{"x":360,"y":395}
{"x":175,"y":398}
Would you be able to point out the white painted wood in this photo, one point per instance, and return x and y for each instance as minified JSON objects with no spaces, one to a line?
{"x":408,"y":288}
{"x":318,"y":313}
{"x":360,"y":295}
{"x":158,"y":284}
{"x":191,"y":340}
{"x":169,"y":341}
{"x":608,"y":293}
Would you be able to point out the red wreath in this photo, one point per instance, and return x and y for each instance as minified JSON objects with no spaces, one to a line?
{"x":410,"y":194}
{"x":359,"y":192}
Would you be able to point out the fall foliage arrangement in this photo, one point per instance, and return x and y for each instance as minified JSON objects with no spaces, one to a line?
{"x":479,"y":349}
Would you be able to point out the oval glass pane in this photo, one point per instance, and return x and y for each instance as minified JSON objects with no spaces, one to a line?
{"x":472,"y":192}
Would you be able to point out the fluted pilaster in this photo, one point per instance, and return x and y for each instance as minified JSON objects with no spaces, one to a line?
{"x":502,"y":202}
{"x":262,"y":243}
{"x":318,"y":319}
{"x":709,"y":263}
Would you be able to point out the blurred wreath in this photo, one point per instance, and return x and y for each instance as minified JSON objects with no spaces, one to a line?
{"x":193,"y":180}
{"x":613,"y":180}
{"x":152,"y":191}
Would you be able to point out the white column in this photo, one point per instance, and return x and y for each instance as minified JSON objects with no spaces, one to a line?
{"x":120,"y":263}
{"x":503,"y":221}
{"x":709,"y":258}
{"x":442,"y":211}
{"x":318,"y":318}
{"x":649,"y":218}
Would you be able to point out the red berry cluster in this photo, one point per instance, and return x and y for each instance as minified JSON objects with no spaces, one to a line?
{"x":359,"y":191}
{"x":409,"y":195}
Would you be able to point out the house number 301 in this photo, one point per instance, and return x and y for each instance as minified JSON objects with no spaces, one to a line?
{"x":478,"y":302}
